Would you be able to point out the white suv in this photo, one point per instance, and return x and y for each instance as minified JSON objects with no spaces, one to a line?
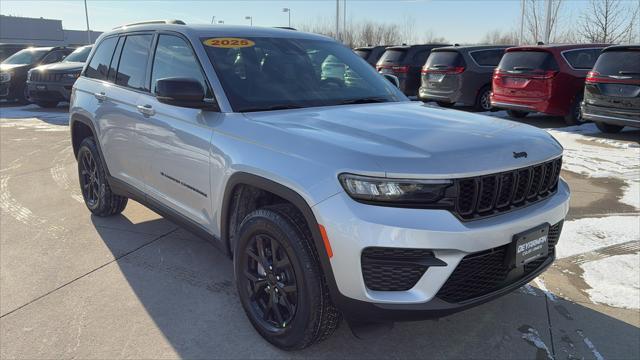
{"x":334,"y":198}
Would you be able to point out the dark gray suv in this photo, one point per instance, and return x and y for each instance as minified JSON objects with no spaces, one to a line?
{"x":460,"y":74}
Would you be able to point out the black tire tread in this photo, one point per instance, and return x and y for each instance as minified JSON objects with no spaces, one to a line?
{"x":478,"y":105}
{"x":609,"y":128}
{"x":517,"y":114}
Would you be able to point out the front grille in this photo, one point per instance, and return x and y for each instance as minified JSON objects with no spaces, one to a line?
{"x":488,"y":195}
{"x":487,"y":271}
{"x":38,"y":76}
{"x":395,"y":269}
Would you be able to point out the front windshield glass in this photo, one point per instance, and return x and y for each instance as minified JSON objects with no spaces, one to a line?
{"x":79,"y":55}
{"x":281,"y":73}
{"x":26,"y":56}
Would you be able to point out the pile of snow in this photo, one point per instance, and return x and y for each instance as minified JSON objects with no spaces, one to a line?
{"x":614,"y":281}
{"x":52,"y":116}
{"x":589,"y":234}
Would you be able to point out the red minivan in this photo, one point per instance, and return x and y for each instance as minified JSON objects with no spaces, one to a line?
{"x":544,"y":78}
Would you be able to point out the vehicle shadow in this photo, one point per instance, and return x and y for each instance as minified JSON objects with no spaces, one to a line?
{"x":186,"y":287}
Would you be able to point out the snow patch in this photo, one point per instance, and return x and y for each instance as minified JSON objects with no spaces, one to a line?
{"x":631,"y":194}
{"x":533,"y":337}
{"x":543,"y":287}
{"x":588,"y":234}
{"x":614,"y":281}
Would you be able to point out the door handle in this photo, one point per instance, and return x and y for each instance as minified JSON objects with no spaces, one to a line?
{"x":101,"y":96}
{"x":146,"y":110}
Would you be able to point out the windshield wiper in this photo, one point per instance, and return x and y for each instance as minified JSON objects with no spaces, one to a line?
{"x":366,"y":100}
{"x":273,"y":107}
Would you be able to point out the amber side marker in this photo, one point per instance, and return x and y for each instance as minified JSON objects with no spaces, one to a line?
{"x":325,"y":239}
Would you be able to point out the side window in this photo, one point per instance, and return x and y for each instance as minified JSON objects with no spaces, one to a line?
{"x":113,"y":68}
{"x":420,"y":57}
{"x":487,"y":57}
{"x":132,"y":68}
{"x":98,"y":68}
{"x":54,"y":57}
{"x":174,"y":58}
{"x":582,"y":59}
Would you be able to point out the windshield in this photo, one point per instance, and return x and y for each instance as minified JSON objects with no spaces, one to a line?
{"x":619,"y":63}
{"x":79,"y":55}
{"x":26,"y":56}
{"x":527,"y":61}
{"x":278,"y":73}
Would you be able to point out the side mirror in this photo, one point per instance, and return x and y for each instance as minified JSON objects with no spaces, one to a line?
{"x":183,"y":92}
{"x":392,"y":79}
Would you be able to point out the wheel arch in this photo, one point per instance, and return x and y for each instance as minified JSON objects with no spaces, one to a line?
{"x":82,"y":127}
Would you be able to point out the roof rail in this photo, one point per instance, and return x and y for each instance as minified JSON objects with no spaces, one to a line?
{"x":173,"y":21}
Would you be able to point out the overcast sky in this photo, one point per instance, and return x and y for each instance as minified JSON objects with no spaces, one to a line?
{"x":462,"y":21}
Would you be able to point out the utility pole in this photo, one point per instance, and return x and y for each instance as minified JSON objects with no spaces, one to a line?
{"x":86,"y":15}
{"x":547,"y":24}
{"x":521,"y":39}
{"x":344,"y":16}
{"x":213,"y":20}
{"x":338,"y":20}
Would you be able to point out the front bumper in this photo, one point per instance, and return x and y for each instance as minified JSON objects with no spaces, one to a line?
{"x":351,"y":227}
{"x":48,"y":91}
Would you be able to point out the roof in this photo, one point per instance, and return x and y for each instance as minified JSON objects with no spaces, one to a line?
{"x":623,"y":47}
{"x":370,"y":47}
{"x":472,"y":47}
{"x":396,"y":47}
{"x":209,"y":30}
{"x":557,"y":47}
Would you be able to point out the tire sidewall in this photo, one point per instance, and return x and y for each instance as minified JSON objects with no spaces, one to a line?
{"x":275,"y":225}
{"x":486,"y":90}
{"x":88,"y":145}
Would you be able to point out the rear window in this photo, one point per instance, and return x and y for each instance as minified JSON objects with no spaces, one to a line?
{"x":528,"y":61}
{"x":444,"y":59}
{"x":619,"y":63}
{"x":487,"y":57}
{"x":363,"y":53}
{"x":582,"y":59}
{"x":393,"y":55}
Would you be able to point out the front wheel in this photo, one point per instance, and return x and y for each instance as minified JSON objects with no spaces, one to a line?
{"x":279,"y":280}
{"x":517,"y":114}
{"x":97,"y":194}
{"x":47,"y":104}
{"x":608,"y":128}
{"x":23,"y":96}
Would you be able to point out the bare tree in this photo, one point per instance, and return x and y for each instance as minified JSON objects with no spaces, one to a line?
{"x":499,"y":37}
{"x":535,"y":19}
{"x":609,"y":21}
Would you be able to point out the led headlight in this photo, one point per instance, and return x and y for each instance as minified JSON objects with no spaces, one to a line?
{"x":394,"y":191}
{"x":5,"y":76}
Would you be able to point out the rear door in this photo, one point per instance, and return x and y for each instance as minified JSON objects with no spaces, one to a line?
{"x":614,"y":81}
{"x":442,"y":71}
{"x":525,"y":74}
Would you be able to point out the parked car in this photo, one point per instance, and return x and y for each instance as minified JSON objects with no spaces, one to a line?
{"x":14,"y":69}
{"x":7,"y":50}
{"x":50,"y":84}
{"x":460,"y":74}
{"x":545,"y":78}
{"x":370,"y":53}
{"x":612,"y":89}
{"x":405,"y":62}
{"x":333,"y":201}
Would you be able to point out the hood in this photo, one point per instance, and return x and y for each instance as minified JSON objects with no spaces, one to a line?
{"x":409,"y":139}
{"x":69,"y":66}
{"x":7,"y":67}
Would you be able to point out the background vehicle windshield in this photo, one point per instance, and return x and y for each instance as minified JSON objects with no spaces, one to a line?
{"x":280,"y":73}
{"x":79,"y":55}
{"x":26,"y":56}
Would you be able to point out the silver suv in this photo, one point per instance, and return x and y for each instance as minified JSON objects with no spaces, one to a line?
{"x":334,"y":198}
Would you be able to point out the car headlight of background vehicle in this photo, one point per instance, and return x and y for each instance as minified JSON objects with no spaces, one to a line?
{"x":398,"y":192}
{"x":71,"y":76}
{"x":5,"y":76}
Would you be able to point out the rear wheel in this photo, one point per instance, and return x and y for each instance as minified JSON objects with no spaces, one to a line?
{"x":575,"y":116}
{"x":47,"y":104}
{"x":97,"y":194}
{"x":445,"y":104}
{"x":279,"y":280}
{"x":608,"y":128}
{"x":517,"y":114}
{"x":483,"y":100}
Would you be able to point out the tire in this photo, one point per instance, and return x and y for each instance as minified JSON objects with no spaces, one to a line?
{"x":483,"y":101}
{"x":608,"y":128}
{"x":445,"y":104}
{"x":47,"y":104}
{"x":517,"y":114}
{"x":97,"y":194}
{"x":294,"y":270}
{"x":575,"y":116}
{"x":23,"y":96}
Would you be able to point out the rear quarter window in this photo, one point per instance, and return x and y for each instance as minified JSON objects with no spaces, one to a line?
{"x":619,"y":63}
{"x":444,"y":58}
{"x":487,"y":57}
{"x":581,"y":59}
{"x":528,"y":61}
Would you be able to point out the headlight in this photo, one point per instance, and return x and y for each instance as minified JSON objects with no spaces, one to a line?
{"x":395,"y":191}
{"x":5,"y":76}
{"x":68,"y":76}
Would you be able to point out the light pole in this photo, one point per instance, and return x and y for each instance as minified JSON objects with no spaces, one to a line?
{"x":288,"y":10}
{"x":86,"y":15}
{"x":250,"y":18}
{"x":213,"y":20}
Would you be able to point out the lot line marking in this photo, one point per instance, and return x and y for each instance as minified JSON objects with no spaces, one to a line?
{"x":89,"y":273}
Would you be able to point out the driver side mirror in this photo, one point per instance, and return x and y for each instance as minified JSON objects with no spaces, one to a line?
{"x":183,"y":92}
{"x":392,"y":79}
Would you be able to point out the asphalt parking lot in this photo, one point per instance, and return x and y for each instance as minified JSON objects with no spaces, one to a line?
{"x":139,"y":286}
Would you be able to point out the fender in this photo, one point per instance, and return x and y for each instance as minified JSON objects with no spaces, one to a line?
{"x":86,"y":121}
{"x":243,"y":178}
